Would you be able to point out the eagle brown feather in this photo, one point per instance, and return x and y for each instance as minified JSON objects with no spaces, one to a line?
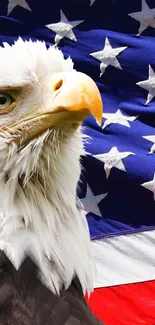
{"x":24,"y":300}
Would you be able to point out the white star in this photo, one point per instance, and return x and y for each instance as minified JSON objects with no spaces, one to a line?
{"x":146,"y":17}
{"x":152,"y":139}
{"x":118,"y":118}
{"x":150,"y":186}
{"x":91,"y":2}
{"x":64,"y":28}
{"x":108,"y":56}
{"x":13,"y":3}
{"x":149,"y":85}
{"x":113,"y":158}
{"x":90,"y":202}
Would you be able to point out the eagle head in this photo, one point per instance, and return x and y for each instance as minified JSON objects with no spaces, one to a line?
{"x":43,"y":101}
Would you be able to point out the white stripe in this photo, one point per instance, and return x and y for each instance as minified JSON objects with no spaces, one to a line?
{"x":124,"y":259}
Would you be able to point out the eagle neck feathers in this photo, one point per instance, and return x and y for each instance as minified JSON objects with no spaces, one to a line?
{"x":38,"y":212}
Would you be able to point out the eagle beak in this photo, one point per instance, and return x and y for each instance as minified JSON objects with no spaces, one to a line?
{"x":72,"y":97}
{"x":77,"y":94}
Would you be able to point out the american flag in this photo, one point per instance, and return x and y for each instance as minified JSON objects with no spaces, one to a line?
{"x":113,"y":41}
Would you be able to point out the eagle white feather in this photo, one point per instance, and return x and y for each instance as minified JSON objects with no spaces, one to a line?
{"x":38,"y":212}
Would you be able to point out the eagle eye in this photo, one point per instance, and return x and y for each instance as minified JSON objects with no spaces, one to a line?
{"x":7,"y":102}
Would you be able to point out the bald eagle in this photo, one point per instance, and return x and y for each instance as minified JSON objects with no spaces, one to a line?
{"x":45,"y":254}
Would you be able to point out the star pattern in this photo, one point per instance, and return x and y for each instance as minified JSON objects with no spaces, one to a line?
{"x":150,"y":186}
{"x":152,"y":139}
{"x":113,"y":158}
{"x":119,"y":118}
{"x":90,"y":202}
{"x":146,"y":17}
{"x":13,"y":3}
{"x":91,"y":2}
{"x":107,"y":56}
{"x":64,"y":28}
{"x":149,"y":85}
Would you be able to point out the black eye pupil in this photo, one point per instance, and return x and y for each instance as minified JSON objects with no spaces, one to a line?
{"x":2,"y":100}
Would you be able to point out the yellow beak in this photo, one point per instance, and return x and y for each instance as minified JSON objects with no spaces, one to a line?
{"x":73,"y":96}
{"x":78,"y":94}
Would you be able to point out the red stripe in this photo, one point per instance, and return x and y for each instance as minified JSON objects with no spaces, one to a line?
{"x":132,"y":304}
